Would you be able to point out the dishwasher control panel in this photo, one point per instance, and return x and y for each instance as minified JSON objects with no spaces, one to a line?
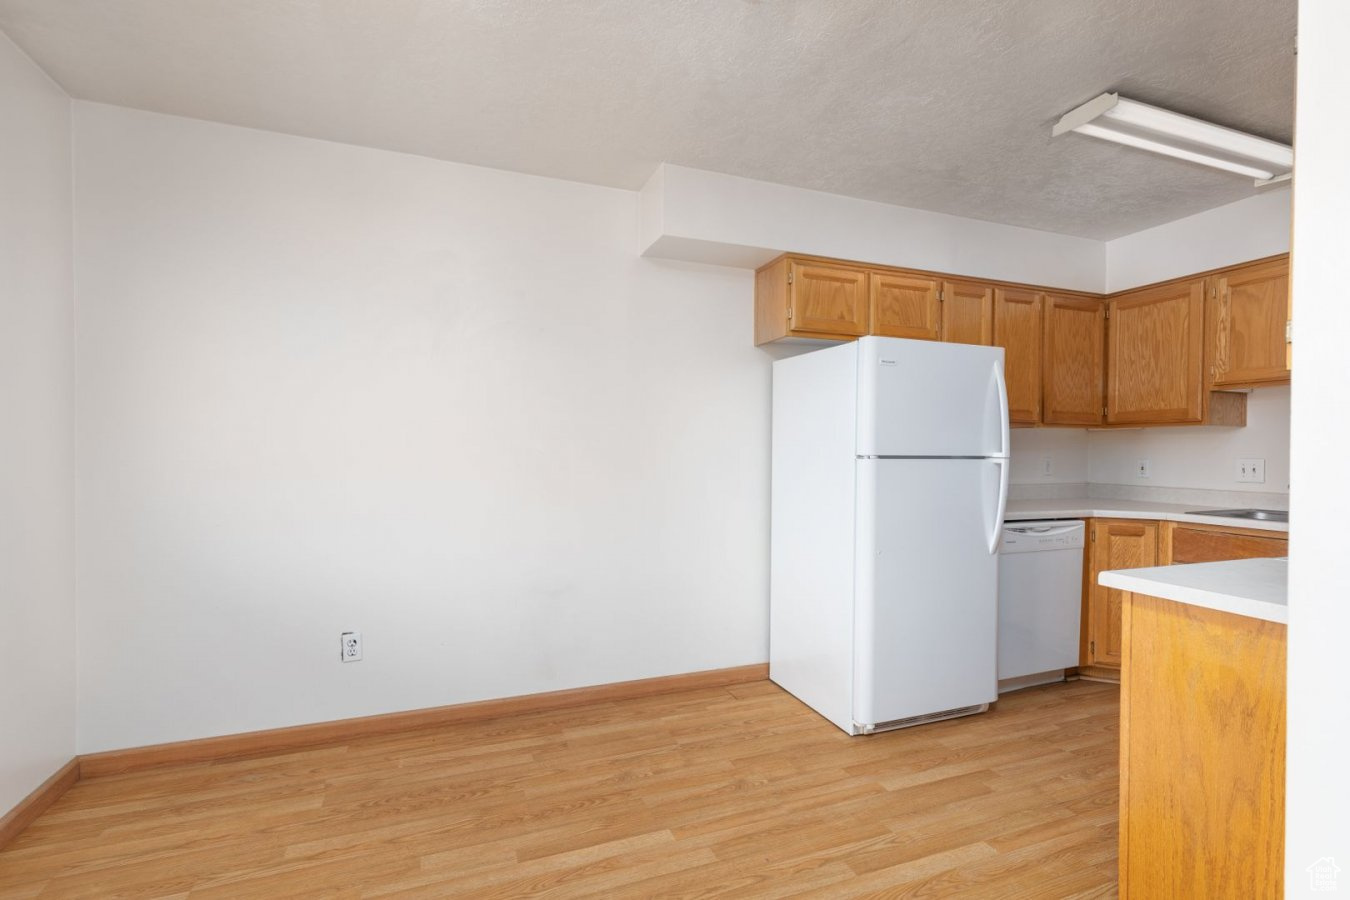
{"x":1050,"y":534}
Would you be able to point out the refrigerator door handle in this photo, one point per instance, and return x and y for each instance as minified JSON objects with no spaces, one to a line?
{"x":1005,"y":438}
{"x":1001,"y":507}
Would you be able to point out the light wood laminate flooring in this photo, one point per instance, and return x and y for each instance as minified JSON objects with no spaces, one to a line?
{"x":737,"y":791}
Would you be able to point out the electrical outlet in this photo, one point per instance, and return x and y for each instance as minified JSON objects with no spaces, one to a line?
{"x":351,"y":646}
{"x":1250,"y":469}
{"x":1143,"y":469}
{"x":1047,"y":466}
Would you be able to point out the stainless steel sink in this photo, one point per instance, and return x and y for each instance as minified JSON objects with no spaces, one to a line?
{"x":1263,"y":515}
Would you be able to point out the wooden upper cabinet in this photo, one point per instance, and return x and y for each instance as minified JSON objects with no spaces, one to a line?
{"x":967,"y":312}
{"x":825,"y":299}
{"x":903,"y":306}
{"x":1019,"y":330}
{"x":806,"y":298}
{"x":1116,"y":544}
{"x":1155,"y":362}
{"x":1074,"y":360}
{"x":1248,"y":308}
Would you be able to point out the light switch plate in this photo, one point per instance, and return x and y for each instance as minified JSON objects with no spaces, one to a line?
{"x":1143,"y":468}
{"x":1251,"y":469}
{"x":1047,"y":466}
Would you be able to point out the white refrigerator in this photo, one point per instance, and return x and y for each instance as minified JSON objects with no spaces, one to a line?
{"x":890,"y":479}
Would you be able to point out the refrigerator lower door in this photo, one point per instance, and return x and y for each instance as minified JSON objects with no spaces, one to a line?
{"x":926,"y":602}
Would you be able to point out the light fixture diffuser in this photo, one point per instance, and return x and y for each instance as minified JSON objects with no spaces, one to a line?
{"x":1112,"y":117}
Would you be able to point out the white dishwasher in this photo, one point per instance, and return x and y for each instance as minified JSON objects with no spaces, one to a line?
{"x":1040,"y":590}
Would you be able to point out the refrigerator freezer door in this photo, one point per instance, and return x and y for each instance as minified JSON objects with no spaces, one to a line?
{"x":925,"y":398}
{"x":926,"y":613}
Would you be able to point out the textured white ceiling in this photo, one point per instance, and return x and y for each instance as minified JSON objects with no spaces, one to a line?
{"x":945,"y":106}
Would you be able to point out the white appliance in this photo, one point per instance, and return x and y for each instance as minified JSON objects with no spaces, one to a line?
{"x":1040,"y":589}
{"x":890,"y":478}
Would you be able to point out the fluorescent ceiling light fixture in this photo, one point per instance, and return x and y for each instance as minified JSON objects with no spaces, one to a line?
{"x":1111,"y":117}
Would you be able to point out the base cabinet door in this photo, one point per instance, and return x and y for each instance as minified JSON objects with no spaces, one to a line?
{"x":1184,"y":542}
{"x":1115,"y":544}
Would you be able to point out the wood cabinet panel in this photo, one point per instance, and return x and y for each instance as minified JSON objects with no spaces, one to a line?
{"x":1074,"y":360}
{"x":967,"y":312}
{"x":825,"y":299}
{"x":1155,"y":355}
{"x":1187,"y":543}
{"x":1246,"y":325}
{"x":809,"y":299}
{"x":1020,"y":330}
{"x":771,"y":302}
{"x":1115,"y":544}
{"x":904,"y":306}
{"x":1202,"y":753}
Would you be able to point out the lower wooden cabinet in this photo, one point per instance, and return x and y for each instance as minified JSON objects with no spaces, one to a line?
{"x":1183,"y":542}
{"x":1132,"y":544}
{"x":1113,"y":544}
{"x":1202,"y":735}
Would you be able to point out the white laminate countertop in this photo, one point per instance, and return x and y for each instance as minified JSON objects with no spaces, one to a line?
{"x":1102,"y":507}
{"x":1258,"y":588}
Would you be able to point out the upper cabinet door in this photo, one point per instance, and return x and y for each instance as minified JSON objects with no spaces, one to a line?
{"x":1155,"y":355}
{"x":827,"y":300}
{"x":1019,"y":330}
{"x":903,"y":306}
{"x":1075,"y":360}
{"x":967,"y":313}
{"x":1247,"y":312}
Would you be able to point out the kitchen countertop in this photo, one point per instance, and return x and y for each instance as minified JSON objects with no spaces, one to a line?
{"x":1106,"y":508}
{"x":1258,"y":588}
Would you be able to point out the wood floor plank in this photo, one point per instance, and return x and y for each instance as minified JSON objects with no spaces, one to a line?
{"x":737,"y":791}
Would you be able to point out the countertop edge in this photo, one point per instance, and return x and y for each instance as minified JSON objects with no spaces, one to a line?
{"x":1104,"y":510}
{"x":1156,"y":584}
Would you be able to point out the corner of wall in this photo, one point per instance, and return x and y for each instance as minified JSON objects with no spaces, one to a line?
{"x":1247,"y":229}
{"x":651,"y":210}
{"x":37,"y":353}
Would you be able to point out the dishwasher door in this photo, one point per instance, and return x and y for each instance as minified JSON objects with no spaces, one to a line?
{"x":1040,"y":599}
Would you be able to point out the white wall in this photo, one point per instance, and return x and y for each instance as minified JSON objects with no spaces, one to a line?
{"x":1318,"y":795}
{"x":1066,"y":448}
{"x":323,"y":387}
{"x":696,"y":215}
{"x":37,"y":612}
{"x":1237,"y":232}
{"x":1204,"y":457}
